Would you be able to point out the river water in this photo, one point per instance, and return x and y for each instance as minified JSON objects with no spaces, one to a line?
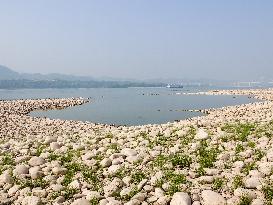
{"x":128,"y":106}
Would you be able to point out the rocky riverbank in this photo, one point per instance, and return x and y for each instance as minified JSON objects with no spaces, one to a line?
{"x":225,"y":157}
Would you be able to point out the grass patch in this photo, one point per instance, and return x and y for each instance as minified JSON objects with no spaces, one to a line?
{"x":181,"y":160}
{"x":237,"y":182}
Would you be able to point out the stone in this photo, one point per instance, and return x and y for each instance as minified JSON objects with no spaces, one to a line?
{"x":13,"y":190}
{"x":36,"y":161}
{"x":114,"y":169}
{"x":257,"y":202}
{"x":20,"y":169}
{"x":31,"y":200}
{"x":54,"y":146}
{"x":60,"y":199}
{"x":92,"y":195}
{"x":50,"y":139}
{"x":112,"y":187}
{"x":239,"y":192}
{"x":6,"y":178}
{"x":133,"y":202}
{"x":125,"y":192}
{"x":35,"y":172}
{"x":142,"y":184}
{"x":81,"y":202}
{"x":75,"y":184}
{"x":128,"y":152}
{"x":116,"y":161}
{"x":140,"y":196}
{"x":201,"y":135}
{"x":212,"y":198}
{"x":106,"y":162}
{"x":180,"y":198}
{"x":265,"y":168}
{"x":252,"y":182}
{"x":158,"y":192}
{"x":164,"y":200}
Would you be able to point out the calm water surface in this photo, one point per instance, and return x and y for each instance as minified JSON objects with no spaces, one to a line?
{"x":127,"y":106}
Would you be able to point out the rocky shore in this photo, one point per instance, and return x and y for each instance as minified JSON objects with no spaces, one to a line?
{"x":225,"y":157}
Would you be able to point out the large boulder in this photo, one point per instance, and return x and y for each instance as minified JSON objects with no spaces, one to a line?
{"x":181,"y":198}
{"x":212,"y":198}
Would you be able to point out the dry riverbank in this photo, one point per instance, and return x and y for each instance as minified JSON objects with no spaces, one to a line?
{"x":225,"y":157}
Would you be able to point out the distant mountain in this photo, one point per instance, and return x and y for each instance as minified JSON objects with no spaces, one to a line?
{"x":10,"y":79}
{"x":8,"y":74}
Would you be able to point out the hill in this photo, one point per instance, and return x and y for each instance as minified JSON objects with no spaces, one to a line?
{"x":8,"y":74}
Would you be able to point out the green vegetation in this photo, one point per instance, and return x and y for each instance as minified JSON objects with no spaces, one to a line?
{"x":218,"y":184}
{"x":32,"y":183}
{"x":245,"y":200}
{"x":185,"y":140}
{"x":251,"y":144}
{"x":239,"y":148}
{"x":206,"y":156}
{"x":175,"y":181}
{"x":132,"y":193}
{"x":138,"y":176}
{"x":240,"y":130}
{"x":40,"y":150}
{"x":67,"y":193}
{"x":259,"y":154}
{"x":160,"y":160}
{"x":268,"y":192}
{"x":249,"y":166}
{"x":181,"y":160}
{"x":237,"y":182}
{"x":8,"y":160}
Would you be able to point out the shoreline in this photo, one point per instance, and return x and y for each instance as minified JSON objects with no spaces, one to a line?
{"x":64,"y":162}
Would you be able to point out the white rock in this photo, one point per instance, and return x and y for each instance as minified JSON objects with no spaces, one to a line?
{"x":57,"y":187}
{"x":92,"y":195}
{"x":36,"y":161}
{"x":133,"y":202}
{"x":31,"y":200}
{"x":257,"y":202}
{"x":164,"y":200}
{"x":75,"y":184}
{"x":128,"y":152}
{"x":20,"y":169}
{"x":6,"y":178}
{"x":125,"y":192}
{"x":112,"y":187}
{"x":59,"y":170}
{"x":142,"y":184}
{"x":116,"y":161}
{"x":13,"y":190}
{"x":265,"y":167}
{"x":59,"y":200}
{"x":54,"y":146}
{"x":114,"y":169}
{"x":159,"y":192}
{"x":201,"y":135}
{"x":35,"y":172}
{"x":140,"y":196}
{"x":181,"y":198}
{"x":50,"y":139}
{"x":245,"y":192}
{"x":81,"y":202}
{"x":212,"y":198}
{"x":106,"y":162}
{"x":252,"y":182}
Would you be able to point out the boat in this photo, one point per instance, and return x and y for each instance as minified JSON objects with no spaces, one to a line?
{"x":174,"y":86}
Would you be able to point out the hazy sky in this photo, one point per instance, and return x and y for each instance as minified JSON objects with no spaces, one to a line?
{"x":139,"y":38}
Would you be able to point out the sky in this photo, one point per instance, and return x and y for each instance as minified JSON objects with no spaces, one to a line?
{"x":139,"y":39}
